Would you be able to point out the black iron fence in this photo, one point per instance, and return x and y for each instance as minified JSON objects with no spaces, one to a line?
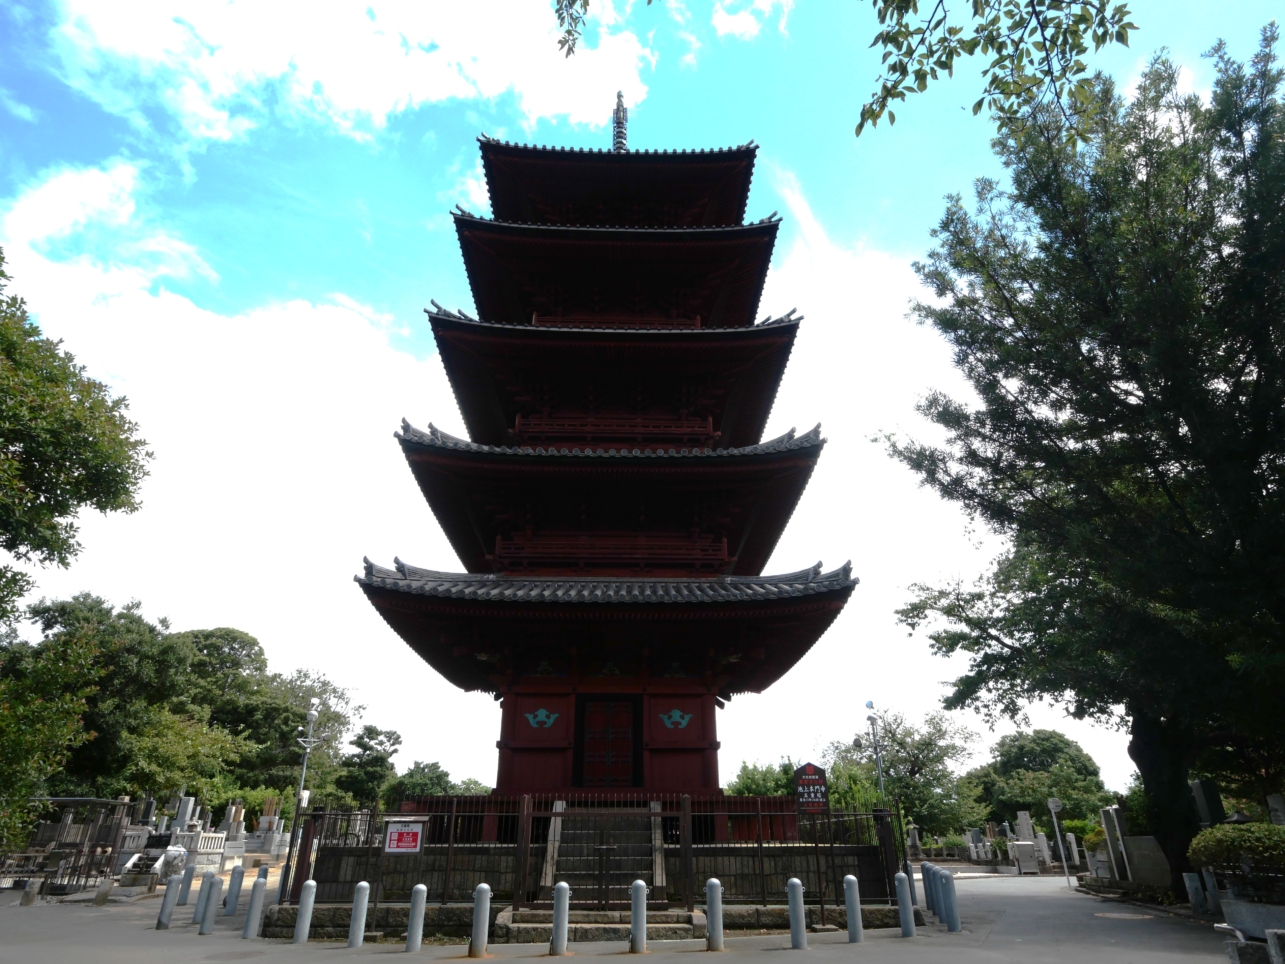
{"x":72,"y":846}
{"x":600,"y":844}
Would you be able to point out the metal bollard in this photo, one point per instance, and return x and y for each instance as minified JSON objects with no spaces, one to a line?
{"x":561,"y":915}
{"x":798,"y":920}
{"x":198,"y":913}
{"x":481,"y":920}
{"x":926,"y":878}
{"x":905,"y":909}
{"x":938,"y":906}
{"x":303,"y":917}
{"x":168,"y":902}
{"x":415,"y":925}
{"x":638,"y":918}
{"x":263,"y":872}
{"x":357,"y":923}
{"x":215,"y":887}
{"x":852,"y":904}
{"x":185,"y":888}
{"x":910,"y":880}
{"x":234,"y":891}
{"x":714,"y":914}
{"x":950,"y":902}
{"x":254,"y":914}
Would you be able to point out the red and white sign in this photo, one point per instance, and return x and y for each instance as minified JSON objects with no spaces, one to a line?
{"x":404,"y":838}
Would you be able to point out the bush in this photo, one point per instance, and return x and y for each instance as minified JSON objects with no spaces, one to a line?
{"x":1094,"y":839}
{"x":1081,"y":828}
{"x":952,"y":840}
{"x":1229,"y":844}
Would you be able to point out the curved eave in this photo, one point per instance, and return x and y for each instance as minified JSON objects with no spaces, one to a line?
{"x":466,"y":484}
{"x":575,"y":186}
{"x":481,"y":358}
{"x":516,"y":271}
{"x":467,"y":626}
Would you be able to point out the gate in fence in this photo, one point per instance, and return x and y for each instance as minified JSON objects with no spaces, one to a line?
{"x":600,"y":844}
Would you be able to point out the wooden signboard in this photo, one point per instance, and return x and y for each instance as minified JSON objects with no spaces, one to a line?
{"x":811,"y":789}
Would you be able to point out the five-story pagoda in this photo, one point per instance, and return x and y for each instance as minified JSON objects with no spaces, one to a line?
{"x":614,"y":504}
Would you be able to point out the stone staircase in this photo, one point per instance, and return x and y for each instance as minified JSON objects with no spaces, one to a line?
{"x":536,"y":926}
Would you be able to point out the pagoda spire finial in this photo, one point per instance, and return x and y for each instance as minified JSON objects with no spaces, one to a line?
{"x":620,"y":121}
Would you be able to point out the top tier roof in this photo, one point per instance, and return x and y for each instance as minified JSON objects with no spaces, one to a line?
{"x":563,"y":186}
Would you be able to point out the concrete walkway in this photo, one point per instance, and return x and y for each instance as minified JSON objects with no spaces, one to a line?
{"x":1006,"y":919}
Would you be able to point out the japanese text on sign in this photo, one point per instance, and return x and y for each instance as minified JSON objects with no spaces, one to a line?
{"x":404,"y":838}
{"x":810,"y":788}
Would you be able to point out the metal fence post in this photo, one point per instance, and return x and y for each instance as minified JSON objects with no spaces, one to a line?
{"x":450,"y":852}
{"x":714,"y":914}
{"x":816,"y":852}
{"x":852,"y":904}
{"x":168,"y":902}
{"x":561,"y":915}
{"x":303,"y":915}
{"x":638,"y":918}
{"x":415,"y":924}
{"x":254,"y":914}
{"x":523,"y":851}
{"x":211,"y":908}
{"x":758,"y":806}
{"x":234,"y":891}
{"x":481,"y":920}
{"x":685,"y":830}
{"x":357,"y":922}
{"x":905,"y":909}
{"x":798,"y":918}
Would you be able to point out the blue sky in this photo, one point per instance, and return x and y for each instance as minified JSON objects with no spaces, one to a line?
{"x":235,"y":212}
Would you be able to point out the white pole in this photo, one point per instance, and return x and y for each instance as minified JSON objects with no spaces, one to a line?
{"x":561,"y":915}
{"x":481,"y":920}
{"x":714,"y":914}
{"x":215,"y":887}
{"x":255,"y":912}
{"x":415,"y":926}
{"x":303,"y":917}
{"x":198,"y":912}
{"x":852,"y":901}
{"x":357,"y":923}
{"x":798,"y":919}
{"x":905,"y":909}
{"x":234,"y":891}
{"x":638,"y":918}
{"x":167,"y":902}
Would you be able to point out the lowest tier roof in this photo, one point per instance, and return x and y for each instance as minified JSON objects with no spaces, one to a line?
{"x":499,"y":372}
{"x":486,"y":632}
{"x":544,"y":185}
{"x":517,"y":271}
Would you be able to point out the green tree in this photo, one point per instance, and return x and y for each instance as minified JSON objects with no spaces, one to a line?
{"x":763,"y":780}
{"x":364,"y":772}
{"x":920,"y":765}
{"x":65,"y":445}
{"x":1033,"y":52}
{"x":169,"y":752}
{"x":1120,"y":313}
{"x":43,"y":692}
{"x":429,"y":780}
{"x":1028,"y":768}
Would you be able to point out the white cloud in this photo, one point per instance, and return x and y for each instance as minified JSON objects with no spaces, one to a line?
{"x":858,"y":367}
{"x":745,"y":23}
{"x":218,"y":65}
{"x":16,"y":107}
{"x":275,"y":468}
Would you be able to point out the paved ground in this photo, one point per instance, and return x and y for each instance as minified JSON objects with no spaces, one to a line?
{"x":1006,"y":919}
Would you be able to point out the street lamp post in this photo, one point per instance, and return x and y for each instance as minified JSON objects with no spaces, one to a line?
{"x":307,"y":742}
{"x":874,"y":738}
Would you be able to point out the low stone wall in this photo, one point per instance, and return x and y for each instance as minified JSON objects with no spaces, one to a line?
{"x":330,"y":921}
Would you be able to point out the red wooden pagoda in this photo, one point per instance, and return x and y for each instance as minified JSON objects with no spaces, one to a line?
{"x":614,"y":504}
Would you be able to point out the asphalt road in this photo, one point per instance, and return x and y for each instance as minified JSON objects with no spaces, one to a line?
{"x":1030,"y":920}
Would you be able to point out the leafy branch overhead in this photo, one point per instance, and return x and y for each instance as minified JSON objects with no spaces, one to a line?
{"x":1034,"y":52}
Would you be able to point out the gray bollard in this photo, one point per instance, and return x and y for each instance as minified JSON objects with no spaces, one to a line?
{"x":186,"y":888}
{"x":103,"y":892}
{"x":638,"y":918}
{"x":198,"y":913}
{"x":714,"y":914}
{"x":303,"y":916}
{"x":215,"y":887}
{"x":910,"y":880}
{"x":415,"y":924}
{"x":925,"y":877}
{"x":852,"y":904}
{"x":481,"y":920}
{"x":254,"y":915}
{"x":263,"y":872}
{"x":905,"y":909}
{"x":939,"y":904}
{"x":950,"y":905}
{"x":561,"y":916}
{"x":357,"y":922}
{"x":1195,"y":894}
{"x":30,"y":891}
{"x":798,"y":920}
{"x":234,"y":891}
{"x":168,"y":903}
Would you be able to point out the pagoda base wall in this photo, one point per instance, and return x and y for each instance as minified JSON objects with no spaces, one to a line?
{"x":556,"y":739}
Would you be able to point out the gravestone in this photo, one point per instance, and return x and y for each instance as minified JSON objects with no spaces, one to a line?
{"x":1025,"y":828}
{"x":183,"y":812}
{"x":149,"y":813}
{"x":1276,"y":807}
{"x":975,"y":835}
{"x":225,"y":825}
{"x":1072,"y":850}
{"x":1023,"y":853}
{"x":1042,"y":845}
{"x":1209,"y":802}
{"x":914,"y":849}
